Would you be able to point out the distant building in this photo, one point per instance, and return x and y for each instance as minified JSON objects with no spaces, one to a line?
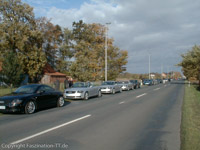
{"x":164,"y":75}
{"x":51,"y":76}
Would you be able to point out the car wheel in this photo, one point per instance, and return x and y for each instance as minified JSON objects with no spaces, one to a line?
{"x":60,"y":102}
{"x":30,"y":107}
{"x":99,"y":94}
{"x":128,"y":89}
{"x":86,"y":96}
{"x":113,"y":91}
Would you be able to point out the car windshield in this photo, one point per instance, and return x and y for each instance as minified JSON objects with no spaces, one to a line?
{"x":80,"y":85}
{"x":27,"y":89}
{"x":108,"y":83}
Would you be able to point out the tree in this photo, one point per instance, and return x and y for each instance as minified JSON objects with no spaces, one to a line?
{"x":20,"y":36}
{"x":89,"y":53}
{"x":190,"y":63}
{"x":11,"y":70}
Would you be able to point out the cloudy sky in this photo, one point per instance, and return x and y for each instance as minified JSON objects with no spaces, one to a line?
{"x":161,"y":29}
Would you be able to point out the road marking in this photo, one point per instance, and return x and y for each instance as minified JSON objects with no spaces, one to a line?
{"x":141,"y":95}
{"x":51,"y":129}
{"x":122,"y":102}
{"x":156,"y":89}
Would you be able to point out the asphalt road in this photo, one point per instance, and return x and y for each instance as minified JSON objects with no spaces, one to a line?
{"x":144,"y":119}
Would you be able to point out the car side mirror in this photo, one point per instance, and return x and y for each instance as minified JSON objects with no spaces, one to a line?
{"x":41,"y":92}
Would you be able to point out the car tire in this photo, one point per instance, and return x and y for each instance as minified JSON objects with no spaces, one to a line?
{"x":30,"y":107}
{"x":60,"y":102}
{"x":113,"y":91}
{"x":86,"y":96}
{"x":99,"y":94}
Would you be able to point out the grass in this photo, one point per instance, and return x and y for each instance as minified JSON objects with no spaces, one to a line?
{"x":190,"y":126}
{"x":4,"y":91}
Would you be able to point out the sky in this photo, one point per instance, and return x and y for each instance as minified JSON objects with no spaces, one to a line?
{"x":161,"y":30}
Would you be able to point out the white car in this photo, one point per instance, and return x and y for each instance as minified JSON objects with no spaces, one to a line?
{"x":82,"y":90}
{"x":126,"y":85}
{"x":110,"y":87}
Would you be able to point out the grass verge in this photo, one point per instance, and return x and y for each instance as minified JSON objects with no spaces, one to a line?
{"x":190,"y":125}
{"x":4,"y":91}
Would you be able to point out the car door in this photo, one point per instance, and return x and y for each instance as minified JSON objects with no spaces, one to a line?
{"x":91,"y":89}
{"x":45,"y":98}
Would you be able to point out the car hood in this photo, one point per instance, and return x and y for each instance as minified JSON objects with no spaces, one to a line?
{"x":13,"y":96}
{"x":107,"y":86}
{"x":76,"y":89}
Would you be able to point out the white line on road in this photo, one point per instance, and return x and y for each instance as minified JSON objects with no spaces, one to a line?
{"x":51,"y":129}
{"x":141,"y":95}
{"x":156,"y":89}
{"x":122,"y":102}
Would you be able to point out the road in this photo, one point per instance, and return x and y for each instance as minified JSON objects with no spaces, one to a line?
{"x":144,"y":119}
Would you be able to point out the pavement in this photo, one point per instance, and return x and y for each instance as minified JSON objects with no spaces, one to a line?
{"x":143,"y":119}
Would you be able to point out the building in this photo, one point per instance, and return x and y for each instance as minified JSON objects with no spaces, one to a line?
{"x":51,"y":76}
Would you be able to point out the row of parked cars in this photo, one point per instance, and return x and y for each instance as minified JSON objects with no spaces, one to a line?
{"x":30,"y":98}
{"x":85,"y":90}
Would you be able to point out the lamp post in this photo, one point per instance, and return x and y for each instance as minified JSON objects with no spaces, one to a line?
{"x":149,"y":66}
{"x":106,"y":48}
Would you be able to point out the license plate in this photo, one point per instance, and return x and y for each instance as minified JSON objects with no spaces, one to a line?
{"x":2,"y":107}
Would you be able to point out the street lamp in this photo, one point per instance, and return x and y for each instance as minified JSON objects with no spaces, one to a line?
{"x":149,"y":65}
{"x":106,"y":48}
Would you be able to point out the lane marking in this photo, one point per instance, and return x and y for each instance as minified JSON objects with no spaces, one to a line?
{"x":122,"y":102}
{"x":141,"y":95}
{"x":49,"y":130}
{"x":156,"y":89}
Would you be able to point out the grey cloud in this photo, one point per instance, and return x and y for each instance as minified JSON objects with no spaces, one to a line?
{"x":165,"y":29}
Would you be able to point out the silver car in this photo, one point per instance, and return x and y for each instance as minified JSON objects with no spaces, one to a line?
{"x":126,"y":85}
{"x":82,"y":90}
{"x":110,"y":87}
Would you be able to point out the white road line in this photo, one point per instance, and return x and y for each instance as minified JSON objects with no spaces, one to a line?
{"x":122,"y":102}
{"x":51,"y":129}
{"x":141,"y":95}
{"x":156,"y":89}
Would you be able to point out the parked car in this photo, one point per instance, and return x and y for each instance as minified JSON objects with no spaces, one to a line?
{"x":29,"y":98}
{"x":126,"y":85}
{"x":135,"y":83}
{"x":82,"y":90}
{"x":110,"y":87}
{"x":148,"y":82}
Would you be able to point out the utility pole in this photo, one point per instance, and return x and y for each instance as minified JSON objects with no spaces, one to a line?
{"x":106,"y":48}
{"x":161,"y":71}
{"x":149,"y":65}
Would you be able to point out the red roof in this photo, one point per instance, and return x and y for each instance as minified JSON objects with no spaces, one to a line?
{"x":56,"y":74}
{"x":48,"y":69}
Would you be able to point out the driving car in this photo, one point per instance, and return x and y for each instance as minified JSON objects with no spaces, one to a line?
{"x":82,"y":90}
{"x":135,"y":83}
{"x":110,"y":87}
{"x":30,"y":98}
{"x":148,"y":82}
{"x":126,"y":85}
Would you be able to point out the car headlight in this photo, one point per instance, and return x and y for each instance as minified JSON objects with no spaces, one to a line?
{"x":16,"y":102}
{"x":79,"y":91}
